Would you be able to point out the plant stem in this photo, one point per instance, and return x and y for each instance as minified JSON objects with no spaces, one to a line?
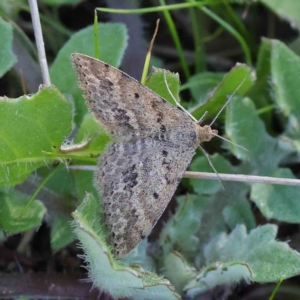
{"x":176,"y":40}
{"x":158,"y":8}
{"x":148,"y":56}
{"x":198,"y":41}
{"x":96,"y":35}
{"x":234,"y":32}
{"x":243,"y":178}
{"x":276,"y":288}
{"x":39,"y":41}
{"x":224,"y":177}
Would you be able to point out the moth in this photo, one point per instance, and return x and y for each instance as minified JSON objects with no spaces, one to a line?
{"x":152,"y":144}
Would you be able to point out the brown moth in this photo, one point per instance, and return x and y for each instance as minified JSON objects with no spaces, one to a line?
{"x":152,"y":144}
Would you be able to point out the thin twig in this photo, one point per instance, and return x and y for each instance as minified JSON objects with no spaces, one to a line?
{"x":243,"y":178}
{"x":39,"y":41}
{"x":82,"y":167}
{"x":224,"y":177}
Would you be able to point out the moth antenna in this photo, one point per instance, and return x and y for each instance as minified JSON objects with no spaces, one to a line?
{"x":202,"y":118}
{"x":229,"y":99}
{"x":175,"y":100}
{"x":211,"y":165}
{"x":229,"y":141}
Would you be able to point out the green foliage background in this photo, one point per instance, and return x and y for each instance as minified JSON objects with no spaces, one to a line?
{"x":213,"y":237}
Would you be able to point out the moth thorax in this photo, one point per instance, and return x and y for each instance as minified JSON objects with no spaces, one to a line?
{"x":206,"y":133}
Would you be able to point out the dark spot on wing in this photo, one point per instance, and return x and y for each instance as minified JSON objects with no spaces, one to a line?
{"x":128,"y":125}
{"x":106,"y":83}
{"x":165,"y":153}
{"x":159,"y":116}
{"x":163,"y":128}
{"x":193,"y":136}
{"x":166,"y":164}
{"x":155,"y":195}
{"x":120,"y":115}
{"x":167,"y":180}
{"x":137,"y":95}
{"x":129,"y":178}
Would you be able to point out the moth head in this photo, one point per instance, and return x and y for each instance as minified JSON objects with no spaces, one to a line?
{"x":206,"y":133}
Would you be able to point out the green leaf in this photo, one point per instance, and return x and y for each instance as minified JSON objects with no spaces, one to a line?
{"x":79,"y":182}
{"x":107,"y":273}
{"x":200,"y":217}
{"x":223,"y":210}
{"x":277,"y":201}
{"x":255,"y":256}
{"x":265,"y":154}
{"x":285,"y":72}
{"x":294,"y":45}
{"x":113,"y":42}
{"x":7,"y":57}
{"x":90,"y":130}
{"x":201,"y":164}
{"x":245,"y":128}
{"x":288,"y":10}
{"x":268,"y":259}
{"x":239,"y":211}
{"x":30,"y":125}
{"x":84,"y":183}
{"x":177,"y":270}
{"x":263,"y":67}
{"x":139,"y":256}
{"x":59,"y":194}
{"x":156,"y":83}
{"x":261,"y":92}
{"x":54,"y":184}
{"x":180,"y":231}
{"x":61,"y":232}
{"x":237,"y":82}
{"x":202,"y":85}
{"x":217,"y":275}
{"x":15,"y":213}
